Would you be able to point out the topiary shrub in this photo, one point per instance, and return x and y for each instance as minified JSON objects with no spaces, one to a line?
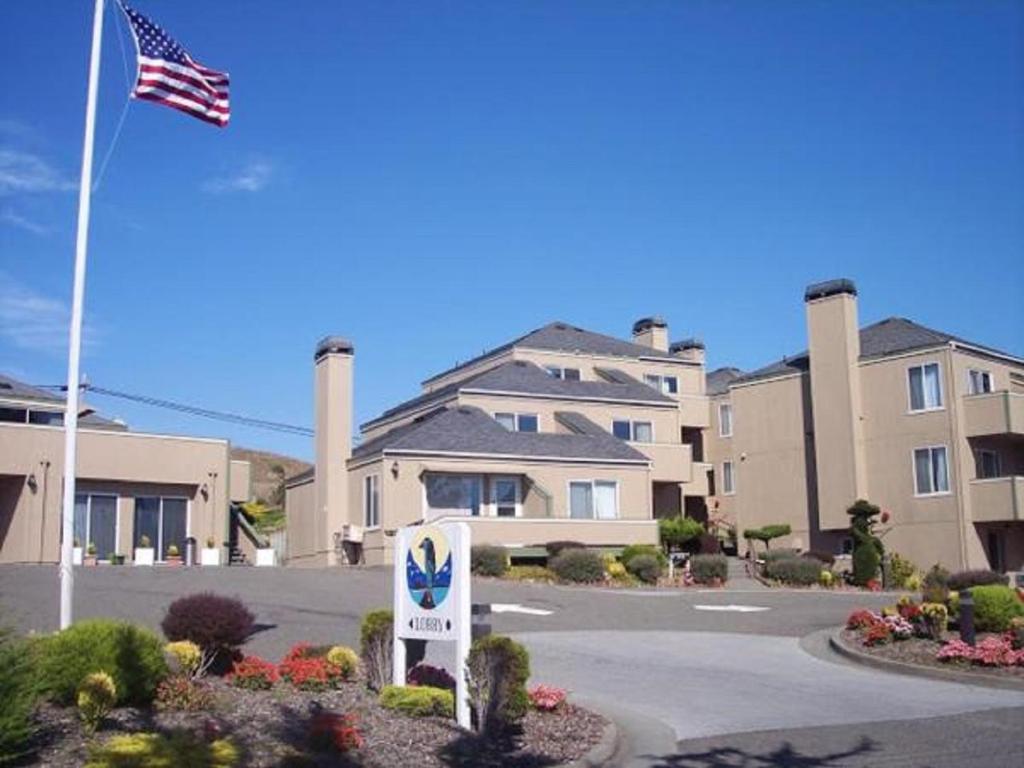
{"x":867,"y":547}
{"x":497,"y":671}
{"x":709,"y":569}
{"x":995,"y":606}
{"x":645,"y":567}
{"x":555,"y":548}
{"x":17,"y":697}
{"x":797,"y":571}
{"x":418,"y":700}
{"x":151,"y":750}
{"x":935,"y":586}
{"x":488,"y":560}
{"x":633,"y":550}
{"x":977,"y":578}
{"x":675,"y":533}
{"x":376,"y":636}
{"x":131,"y":655}
{"x":768,"y":533}
{"x":579,"y":566}
{"x":97,"y":695}
{"x":219,"y":625}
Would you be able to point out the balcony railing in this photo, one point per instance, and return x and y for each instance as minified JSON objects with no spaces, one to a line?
{"x":997,"y":499}
{"x":994,"y":413}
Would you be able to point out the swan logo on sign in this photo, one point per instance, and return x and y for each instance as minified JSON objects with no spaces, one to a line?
{"x":428,"y":568}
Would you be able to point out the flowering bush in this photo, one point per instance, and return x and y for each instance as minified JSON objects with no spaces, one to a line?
{"x":878,"y":634}
{"x":253,"y":673}
{"x":992,"y":651}
{"x":874,"y":585}
{"x":434,"y":677}
{"x":307,"y":668}
{"x":900,"y":628}
{"x":331,"y":731}
{"x":183,"y":694}
{"x":546,"y":698}
{"x":862,"y":619}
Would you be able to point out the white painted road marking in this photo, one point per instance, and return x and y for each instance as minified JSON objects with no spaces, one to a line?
{"x":517,"y":608}
{"x":737,"y":608}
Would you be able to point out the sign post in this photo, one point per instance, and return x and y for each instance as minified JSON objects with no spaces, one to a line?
{"x":432,"y":598}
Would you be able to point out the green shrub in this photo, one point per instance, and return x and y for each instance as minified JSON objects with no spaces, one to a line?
{"x":633,"y":550}
{"x":799,"y":571}
{"x":767,"y":533}
{"x":488,"y":560}
{"x":17,"y":697}
{"x":497,"y":671}
{"x":674,"y":532}
{"x":962,"y":580}
{"x":825,"y":558}
{"x":375,"y":647}
{"x":935,"y":586}
{"x":580,"y":566}
{"x":529,"y":573}
{"x":418,"y":700}
{"x":180,"y":749}
{"x":705,"y":569}
{"x":995,"y":606}
{"x":555,"y":548}
{"x":645,"y":567}
{"x":900,"y":570}
{"x":786,"y":553}
{"x":867,"y":547}
{"x":97,"y":695}
{"x":132,"y":655}
{"x":344,"y":658}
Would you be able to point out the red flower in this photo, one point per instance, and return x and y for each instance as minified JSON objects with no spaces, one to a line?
{"x":862,"y":619}
{"x":253,"y":672}
{"x":878,"y":634}
{"x":332,"y":731}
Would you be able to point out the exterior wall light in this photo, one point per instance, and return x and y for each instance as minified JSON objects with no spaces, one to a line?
{"x":394,"y":470}
{"x":32,"y":483}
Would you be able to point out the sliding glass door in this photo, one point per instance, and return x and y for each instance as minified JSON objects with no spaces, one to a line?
{"x":163,"y":520}
{"x":96,"y":523}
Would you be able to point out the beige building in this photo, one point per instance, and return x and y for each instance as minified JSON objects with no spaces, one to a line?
{"x":561,"y":434}
{"x":129,"y":484}
{"x":928,"y":426}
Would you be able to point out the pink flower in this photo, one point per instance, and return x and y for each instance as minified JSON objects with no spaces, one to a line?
{"x":546,"y":698}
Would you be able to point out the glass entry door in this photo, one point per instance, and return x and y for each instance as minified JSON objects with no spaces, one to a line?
{"x":96,"y":523}
{"x":164,"y":521}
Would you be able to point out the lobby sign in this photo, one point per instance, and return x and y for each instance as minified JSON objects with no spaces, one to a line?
{"x":432,"y":597}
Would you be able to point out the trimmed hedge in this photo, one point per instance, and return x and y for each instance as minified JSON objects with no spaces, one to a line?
{"x":799,"y":571}
{"x":995,"y":607}
{"x":578,"y":565}
{"x":645,"y":567}
{"x":418,"y":700}
{"x":780,"y":554}
{"x":978,"y":578}
{"x":707,"y":568}
{"x":488,"y":560}
{"x":555,"y":548}
{"x":132,"y":655}
{"x":633,"y":550}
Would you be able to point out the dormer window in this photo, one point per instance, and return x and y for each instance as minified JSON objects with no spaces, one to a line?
{"x":518,"y":422}
{"x":566,"y":374}
{"x":667,"y":385}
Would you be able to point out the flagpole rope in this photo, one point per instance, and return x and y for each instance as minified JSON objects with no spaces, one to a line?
{"x":124,"y":110}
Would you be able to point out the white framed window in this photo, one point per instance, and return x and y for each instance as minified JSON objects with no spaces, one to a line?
{"x":96,"y":523}
{"x":725,"y":420}
{"x":560,"y":372}
{"x":987,"y":464}
{"x":505,"y":497}
{"x":635,"y":431}
{"x":518,"y":422}
{"x":978,"y":382}
{"x":668,"y":385}
{"x":728,"y":478}
{"x":371,"y":501}
{"x":931,"y":471}
{"x":448,"y":495}
{"x":164,"y":521}
{"x":925,"y":385}
{"x":593,"y":499}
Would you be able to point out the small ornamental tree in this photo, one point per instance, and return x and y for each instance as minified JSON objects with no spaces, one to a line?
{"x":675,"y":532}
{"x":867,"y":547}
{"x":767,"y":533}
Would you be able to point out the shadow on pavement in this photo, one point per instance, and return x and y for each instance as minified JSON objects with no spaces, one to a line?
{"x":783,"y":756}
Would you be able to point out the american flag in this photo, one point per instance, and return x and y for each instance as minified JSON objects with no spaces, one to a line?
{"x":168,"y":75}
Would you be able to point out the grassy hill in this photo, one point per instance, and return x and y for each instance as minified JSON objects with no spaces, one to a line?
{"x":268,"y":469}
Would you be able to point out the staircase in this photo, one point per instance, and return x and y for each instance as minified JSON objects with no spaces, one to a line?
{"x":240,"y":526}
{"x":237,"y":557}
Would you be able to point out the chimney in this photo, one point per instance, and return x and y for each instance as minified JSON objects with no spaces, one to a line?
{"x":333,"y":414}
{"x":651,"y":332}
{"x":833,"y":338}
{"x":688,"y":349}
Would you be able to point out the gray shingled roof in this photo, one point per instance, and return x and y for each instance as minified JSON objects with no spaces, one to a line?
{"x":717,"y":382}
{"x":562,"y":337}
{"x":14,"y":389}
{"x":892,"y":336}
{"x":528,"y":378}
{"x":470,"y":430}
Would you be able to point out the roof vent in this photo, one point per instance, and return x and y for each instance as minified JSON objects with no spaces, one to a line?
{"x":646,"y":323}
{"x":830,"y":288}
{"x":333,"y":345}
{"x":685,"y":344}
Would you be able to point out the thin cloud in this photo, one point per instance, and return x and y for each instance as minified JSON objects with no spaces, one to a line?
{"x":27,"y":172}
{"x":15,"y":128}
{"x":33,"y":321}
{"x":253,"y":177}
{"x":8,"y":216}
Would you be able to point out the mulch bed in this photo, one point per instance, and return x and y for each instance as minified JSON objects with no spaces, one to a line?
{"x":271,"y":728}
{"x":922,"y":652}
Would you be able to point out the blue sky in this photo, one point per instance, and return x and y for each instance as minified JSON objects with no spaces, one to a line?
{"x":432,"y":178}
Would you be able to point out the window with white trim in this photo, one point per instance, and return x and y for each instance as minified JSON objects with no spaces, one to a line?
{"x":566,"y":374}
{"x":668,"y":385}
{"x":728,"y":478}
{"x":987,"y":464}
{"x":518,"y":422}
{"x":725,"y":420}
{"x":978,"y":382}
{"x":636,"y":431}
{"x":371,"y":501}
{"x":931,"y":471}
{"x":925,"y":383}
{"x":593,"y":499}
{"x":505,"y":496}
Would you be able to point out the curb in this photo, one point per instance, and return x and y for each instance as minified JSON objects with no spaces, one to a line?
{"x":917,"y":670}
{"x":601,"y":753}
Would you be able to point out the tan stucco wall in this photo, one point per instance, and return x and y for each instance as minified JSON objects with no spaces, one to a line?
{"x":303,"y":545}
{"x":241,"y":481}
{"x":716,"y":450}
{"x":126,"y":464}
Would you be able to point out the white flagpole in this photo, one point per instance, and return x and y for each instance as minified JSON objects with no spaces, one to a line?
{"x":67,"y":574}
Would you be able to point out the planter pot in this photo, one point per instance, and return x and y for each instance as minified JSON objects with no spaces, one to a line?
{"x":89,"y":560}
{"x":173,"y":560}
{"x":144,"y":556}
{"x":266,"y":556}
{"x":76,"y":556}
{"x":209,"y":556}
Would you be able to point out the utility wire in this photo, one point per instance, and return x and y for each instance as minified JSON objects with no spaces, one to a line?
{"x":192,"y":410}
